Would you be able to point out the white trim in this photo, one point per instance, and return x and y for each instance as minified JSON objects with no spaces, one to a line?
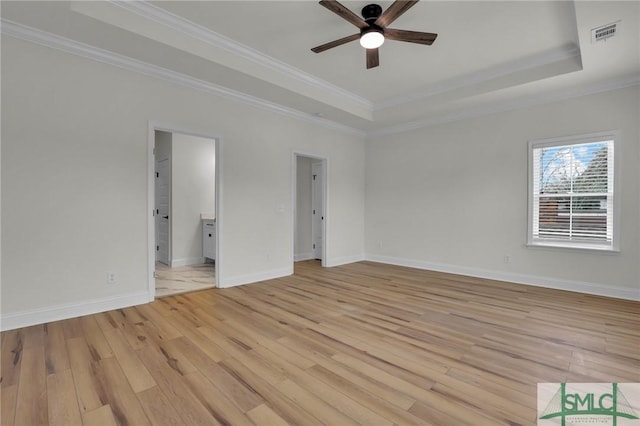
{"x":151,"y":207}
{"x":302,"y":256}
{"x":253,"y":278}
{"x":613,"y":135}
{"x":190,"y":28}
{"x":522,"y":102}
{"x":337,"y":261}
{"x":533,"y":280}
{"x":71,"y":310}
{"x":547,"y":58}
{"x":318,"y":188}
{"x":187,"y":261}
{"x":53,"y":41}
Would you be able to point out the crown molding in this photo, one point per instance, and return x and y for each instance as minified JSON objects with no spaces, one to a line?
{"x":50,"y":40}
{"x":178,"y":23}
{"x":531,"y":63}
{"x":53,"y":41}
{"x":553,"y":96}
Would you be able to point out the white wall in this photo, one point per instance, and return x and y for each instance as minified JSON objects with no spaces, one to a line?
{"x":454,"y":196}
{"x":303,"y":244}
{"x":192,"y":193}
{"x":74,"y":183}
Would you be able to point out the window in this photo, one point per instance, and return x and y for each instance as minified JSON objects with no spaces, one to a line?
{"x":572,"y":192}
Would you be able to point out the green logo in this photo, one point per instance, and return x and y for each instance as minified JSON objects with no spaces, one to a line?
{"x":603,"y":403}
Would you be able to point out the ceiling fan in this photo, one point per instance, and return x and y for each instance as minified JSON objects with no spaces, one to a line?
{"x":373,"y":28}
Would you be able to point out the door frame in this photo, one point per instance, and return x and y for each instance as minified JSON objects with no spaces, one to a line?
{"x":155,"y":217}
{"x":151,"y":234}
{"x":317,"y":191}
{"x":325,"y":201}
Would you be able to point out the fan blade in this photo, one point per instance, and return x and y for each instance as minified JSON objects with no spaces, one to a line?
{"x":394,"y":11}
{"x":344,"y":13}
{"x":335,"y":43}
{"x":410,"y":36}
{"x":373,"y":60}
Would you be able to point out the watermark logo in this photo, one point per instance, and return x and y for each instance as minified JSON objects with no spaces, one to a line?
{"x":611,"y":404}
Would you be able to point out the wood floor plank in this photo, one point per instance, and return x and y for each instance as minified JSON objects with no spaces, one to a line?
{"x":8,"y":399}
{"x":62,"y":399}
{"x":11,"y":357}
{"x":167,"y":330}
{"x":514,"y":391}
{"x":130,"y":327}
{"x":278,"y":402}
{"x":368,"y":395}
{"x":32,"y":405}
{"x":55,"y":351}
{"x":313,"y":404}
{"x":623,"y":366}
{"x":262,"y":415}
{"x":215,"y":401}
{"x":33,"y":336}
{"x":362,"y":343}
{"x":102,"y":416}
{"x":72,"y":328}
{"x":394,"y":382}
{"x":239,"y":392}
{"x":125,"y":407}
{"x":355,"y":378}
{"x":95,"y":338}
{"x":260,"y":366}
{"x":136,"y":372}
{"x":173,"y":386}
{"x":340,"y":401}
{"x":206,"y":344}
{"x":90,"y":393}
{"x":159,"y":408}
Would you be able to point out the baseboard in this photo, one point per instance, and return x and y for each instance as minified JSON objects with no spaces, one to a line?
{"x":187,"y":261}
{"x":302,"y":256}
{"x":253,"y":278}
{"x":537,"y":281}
{"x":337,"y":261}
{"x":70,"y":310}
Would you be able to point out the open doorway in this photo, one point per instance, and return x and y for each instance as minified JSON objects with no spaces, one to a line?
{"x":309,"y":194}
{"x":184,"y":204}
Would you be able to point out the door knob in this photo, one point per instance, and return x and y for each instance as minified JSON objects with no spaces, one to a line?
{"x":165,"y":217}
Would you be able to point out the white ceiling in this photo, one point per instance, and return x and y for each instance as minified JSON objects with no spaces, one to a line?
{"x":488,"y":55}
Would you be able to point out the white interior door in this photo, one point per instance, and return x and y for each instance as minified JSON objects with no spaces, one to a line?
{"x":163,"y":210}
{"x":317,"y":209}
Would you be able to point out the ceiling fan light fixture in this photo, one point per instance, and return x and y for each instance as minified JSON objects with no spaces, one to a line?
{"x":372,"y":38}
{"x":374,"y":25}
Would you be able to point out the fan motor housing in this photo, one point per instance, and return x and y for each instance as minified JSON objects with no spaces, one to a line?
{"x":371,"y":12}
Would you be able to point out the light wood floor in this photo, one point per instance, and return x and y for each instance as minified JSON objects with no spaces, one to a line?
{"x":365,"y":344}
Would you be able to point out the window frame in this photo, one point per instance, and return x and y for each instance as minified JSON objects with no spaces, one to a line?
{"x":614,"y":247}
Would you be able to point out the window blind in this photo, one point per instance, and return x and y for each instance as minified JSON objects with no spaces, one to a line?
{"x":573,"y":193}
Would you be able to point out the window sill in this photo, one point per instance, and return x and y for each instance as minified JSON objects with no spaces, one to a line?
{"x":577,"y":247}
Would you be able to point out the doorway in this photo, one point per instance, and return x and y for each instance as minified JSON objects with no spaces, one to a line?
{"x":309,"y":207}
{"x":184,"y":195}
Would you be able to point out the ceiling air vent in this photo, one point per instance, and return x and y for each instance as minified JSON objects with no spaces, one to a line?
{"x":604,"y":32}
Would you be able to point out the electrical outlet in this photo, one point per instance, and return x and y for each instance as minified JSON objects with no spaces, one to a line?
{"x":111,"y":277}
{"x":507,"y":258}
{"x":379,"y":244}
